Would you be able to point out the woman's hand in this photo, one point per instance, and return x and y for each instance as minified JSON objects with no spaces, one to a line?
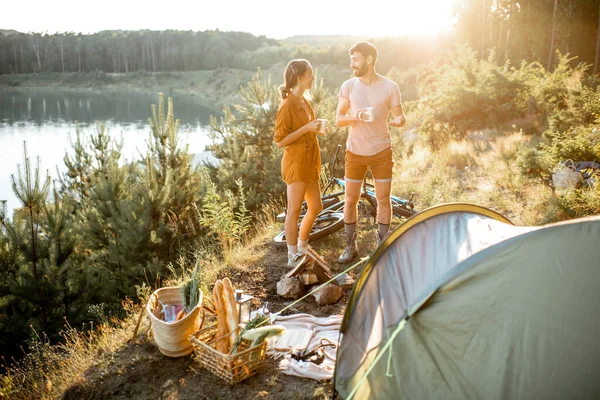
{"x":312,"y":126}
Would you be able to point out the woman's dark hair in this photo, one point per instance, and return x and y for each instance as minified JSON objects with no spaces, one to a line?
{"x":294,"y":69}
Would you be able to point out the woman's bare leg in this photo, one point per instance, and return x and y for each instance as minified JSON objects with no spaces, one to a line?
{"x":312,"y":195}
{"x":295,"y":197}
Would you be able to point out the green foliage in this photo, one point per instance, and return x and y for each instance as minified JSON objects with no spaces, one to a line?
{"x":581,"y":202}
{"x":243,"y":144}
{"x":578,"y":143}
{"x":571,"y":104}
{"x":171,"y":183}
{"x":461,"y":93}
{"x":225,"y":216}
{"x":566,"y":96}
{"x":191,"y":289}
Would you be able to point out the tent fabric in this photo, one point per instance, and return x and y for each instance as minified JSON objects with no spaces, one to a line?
{"x":494,"y":311}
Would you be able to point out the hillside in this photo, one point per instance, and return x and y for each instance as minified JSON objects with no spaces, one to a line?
{"x":103,"y":365}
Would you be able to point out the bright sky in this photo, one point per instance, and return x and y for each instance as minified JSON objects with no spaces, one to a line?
{"x":276,"y":19}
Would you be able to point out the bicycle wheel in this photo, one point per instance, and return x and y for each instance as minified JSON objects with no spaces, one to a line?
{"x":399,"y":209}
{"x":327,"y":202}
{"x":325,"y":224}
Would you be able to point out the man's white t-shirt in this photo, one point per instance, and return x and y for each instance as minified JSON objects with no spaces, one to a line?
{"x":369,"y":138}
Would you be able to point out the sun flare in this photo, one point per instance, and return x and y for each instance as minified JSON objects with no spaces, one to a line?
{"x":266,"y":17}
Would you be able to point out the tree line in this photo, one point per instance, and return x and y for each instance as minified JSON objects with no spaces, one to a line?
{"x":125,"y":51}
{"x":529,"y":30}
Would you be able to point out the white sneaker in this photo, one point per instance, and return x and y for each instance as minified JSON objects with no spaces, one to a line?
{"x":295,"y":259}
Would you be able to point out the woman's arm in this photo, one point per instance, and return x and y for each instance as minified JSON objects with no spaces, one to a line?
{"x":290,"y":138}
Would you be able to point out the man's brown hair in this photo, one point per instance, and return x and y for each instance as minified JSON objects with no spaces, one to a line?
{"x":366,"y":49}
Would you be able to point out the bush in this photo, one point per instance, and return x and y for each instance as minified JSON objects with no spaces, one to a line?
{"x":459,"y":93}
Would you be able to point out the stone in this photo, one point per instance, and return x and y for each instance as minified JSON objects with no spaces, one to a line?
{"x":330,"y":294}
{"x":290,"y":288}
{"x":345,"y":281}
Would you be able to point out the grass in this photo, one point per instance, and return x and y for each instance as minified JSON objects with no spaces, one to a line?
{"x":481,"y":169}
{"x":48,"y":370}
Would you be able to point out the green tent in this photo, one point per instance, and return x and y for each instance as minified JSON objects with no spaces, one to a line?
{"x":458,"y":303}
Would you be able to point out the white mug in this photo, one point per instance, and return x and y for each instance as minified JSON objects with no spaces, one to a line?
{"x":322,"y":125}
{"x":366,"y":114}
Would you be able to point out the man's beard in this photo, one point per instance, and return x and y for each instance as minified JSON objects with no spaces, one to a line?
{"x":358,"y":72}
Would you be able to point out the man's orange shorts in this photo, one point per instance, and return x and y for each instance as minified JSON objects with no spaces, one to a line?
{"x":381,"y":166}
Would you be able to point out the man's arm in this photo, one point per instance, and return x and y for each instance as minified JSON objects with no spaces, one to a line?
{"x":341,"y":119}
{"x":399,"y":118}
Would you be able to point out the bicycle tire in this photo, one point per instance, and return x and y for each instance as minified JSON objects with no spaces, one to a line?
{"x":326,"y":203}
{"x":399,"y":209}
{"x":325,"y":224}
{"x":403,"y":210}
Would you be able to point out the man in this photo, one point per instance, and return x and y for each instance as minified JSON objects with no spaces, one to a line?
{"x":365,"y":103}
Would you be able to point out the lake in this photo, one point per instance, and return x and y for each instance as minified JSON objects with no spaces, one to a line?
{"x":45,"y":119}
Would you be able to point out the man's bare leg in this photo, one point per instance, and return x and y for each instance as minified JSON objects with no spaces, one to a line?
{"x":384,"y":209}
{"x":350,"y":217}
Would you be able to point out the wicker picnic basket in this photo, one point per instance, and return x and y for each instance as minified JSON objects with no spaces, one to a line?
{"x":232,"y":368}
{"x":172,"y":338}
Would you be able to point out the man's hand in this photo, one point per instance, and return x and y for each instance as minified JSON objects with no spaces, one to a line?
{"x":399,"y":121}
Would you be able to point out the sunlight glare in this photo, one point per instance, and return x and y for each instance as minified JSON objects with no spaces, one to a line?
{"x":265,"y":17}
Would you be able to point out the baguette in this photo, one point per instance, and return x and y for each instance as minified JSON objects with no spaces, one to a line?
{"x":232,"y":311}
{"x":222,"y":346}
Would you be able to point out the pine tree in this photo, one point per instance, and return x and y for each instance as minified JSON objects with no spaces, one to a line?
{"x":59,"y":265}
{"x":32,"y":193}
{"x":172,"y":183}
{"x":76,"y":179}
{"x":243,"y":144}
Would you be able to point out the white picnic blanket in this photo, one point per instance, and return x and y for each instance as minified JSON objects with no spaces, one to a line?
{"x":321,"y":330}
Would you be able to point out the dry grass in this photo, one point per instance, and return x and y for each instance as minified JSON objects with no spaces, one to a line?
{"x":48,"y":370}
{"x":481,"y":169}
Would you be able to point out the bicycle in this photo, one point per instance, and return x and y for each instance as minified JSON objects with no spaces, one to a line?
{"x":331,"y":218}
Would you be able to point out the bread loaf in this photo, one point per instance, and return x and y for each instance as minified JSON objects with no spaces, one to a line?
{"x":222,"y":330}
{"x":232,"y":311}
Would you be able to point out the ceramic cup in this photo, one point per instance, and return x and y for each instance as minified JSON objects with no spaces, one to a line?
{"x":366,"y":114}
{"x":322,"y":125}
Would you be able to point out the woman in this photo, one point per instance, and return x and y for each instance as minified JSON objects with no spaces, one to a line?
{"x":295,"y":131}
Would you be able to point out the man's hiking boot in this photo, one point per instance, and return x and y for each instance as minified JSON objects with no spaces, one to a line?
{"x":381,"y":233}
{"x":295,"y":259}
{"x":351,"y":250}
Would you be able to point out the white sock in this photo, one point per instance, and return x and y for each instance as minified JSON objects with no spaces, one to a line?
{"x":302,"y":244}
{"x":292,"y":248}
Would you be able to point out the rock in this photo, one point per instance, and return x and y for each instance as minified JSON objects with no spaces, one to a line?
{"x":345,"y":281}
{"x":290,"y":288}
{"x":329,"y":294}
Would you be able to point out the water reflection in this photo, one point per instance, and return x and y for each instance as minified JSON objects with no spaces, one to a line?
{"x":46,"y":119}
{"x":88,"y":107}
